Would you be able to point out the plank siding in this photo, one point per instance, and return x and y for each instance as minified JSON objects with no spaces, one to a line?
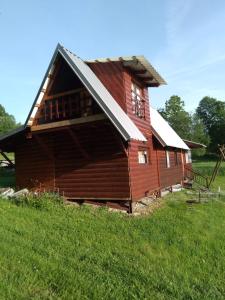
{"x":143,"y":177}
{"x":118,"y":81}
{"x":142,"y":124}
{"x":34,"y":166}
{"x":111,"y":75}
{"x":173,"y":174}
{"x":104,"y":174}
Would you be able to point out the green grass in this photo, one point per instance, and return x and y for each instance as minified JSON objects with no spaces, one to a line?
{"x":206,"y":167}
{"x":52,"y":251}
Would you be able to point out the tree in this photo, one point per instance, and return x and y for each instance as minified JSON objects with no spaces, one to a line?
{"x":175,"y":114}
{"x":199,"y":134}
{"x":7,"y":121}
{"x":188,"y":126}
{"x":212,"y":113}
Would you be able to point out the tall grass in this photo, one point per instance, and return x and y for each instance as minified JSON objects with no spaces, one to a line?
{"x":206,"y":167}
{"x":61,"y":252}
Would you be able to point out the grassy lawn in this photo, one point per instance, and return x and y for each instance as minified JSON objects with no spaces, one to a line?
{"x":51,"y":251}
{"x":206,"y":168}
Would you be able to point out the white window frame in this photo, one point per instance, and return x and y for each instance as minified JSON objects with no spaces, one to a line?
{"x":143,"y":157}
{"x":188,"y":158}
{"x":168,"y":159}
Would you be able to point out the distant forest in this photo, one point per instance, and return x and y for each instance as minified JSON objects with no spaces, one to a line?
{"x":206,"y":125}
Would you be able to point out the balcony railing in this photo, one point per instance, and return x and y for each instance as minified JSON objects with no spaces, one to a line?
{"x":138,"y":106}
{"x":68,"y":105}
{"x":197,"y":177}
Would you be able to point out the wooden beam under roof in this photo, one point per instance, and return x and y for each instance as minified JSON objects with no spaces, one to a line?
{"x":77,"y":143}
{"x":148,"y":78}
{"x":64,"y":123}
{"x":152,"y":84}
{"x":44,"y":147}
{"x":140,"y":72}
{"x":7,"y":159}
{"x":58,"y":95}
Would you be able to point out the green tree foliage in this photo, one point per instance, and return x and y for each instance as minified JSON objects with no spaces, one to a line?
{"x":212,"y":113}
{"x":7,"y":121}
{"x":199,"y":134}
{"x":188,"y":126}
{"x":175,"y":114}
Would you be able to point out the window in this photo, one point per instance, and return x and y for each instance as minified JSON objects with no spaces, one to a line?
{"x":138,"y":103}
{"x":167,"y":159}
{"x":188,"y":157}
{"x":143,"y":157}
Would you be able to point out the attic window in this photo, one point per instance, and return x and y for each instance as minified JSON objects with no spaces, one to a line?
{"x":143,"y":156}
{"x":138,"y":103}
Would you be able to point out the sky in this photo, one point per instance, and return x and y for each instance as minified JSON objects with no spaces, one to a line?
{"x":183,"y":40}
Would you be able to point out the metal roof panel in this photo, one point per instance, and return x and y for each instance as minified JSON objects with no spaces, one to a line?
{"x":164,"y":132}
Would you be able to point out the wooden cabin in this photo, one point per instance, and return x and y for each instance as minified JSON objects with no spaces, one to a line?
{"x":91,"y":134}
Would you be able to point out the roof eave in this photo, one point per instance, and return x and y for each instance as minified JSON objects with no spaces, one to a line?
{"x":150,"y":70}
{"x":42,"y":83}
{"x":163,"y":143}
{"x":12,"y":133}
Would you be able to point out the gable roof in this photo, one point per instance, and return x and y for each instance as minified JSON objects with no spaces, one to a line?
{"x":164,"y":132}
{"x":139,"y":65}
{"x":108,"y":104}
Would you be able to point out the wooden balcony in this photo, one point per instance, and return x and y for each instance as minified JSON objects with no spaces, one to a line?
{"x":66,"y":106}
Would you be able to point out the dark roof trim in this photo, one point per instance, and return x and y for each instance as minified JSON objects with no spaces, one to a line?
{"x":12,"y":133}
{"x":156,"y":135}
{"x":42,"y":83}
{"x":194,"y":145}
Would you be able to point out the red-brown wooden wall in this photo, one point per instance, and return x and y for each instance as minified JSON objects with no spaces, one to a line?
{"x":173,"y":174}
{"x":143,"y":178}
{"x":149,"y":177}
{"x":99,"y":170}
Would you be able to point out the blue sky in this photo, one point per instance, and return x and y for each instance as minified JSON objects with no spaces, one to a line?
{"x":184,"y":40}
